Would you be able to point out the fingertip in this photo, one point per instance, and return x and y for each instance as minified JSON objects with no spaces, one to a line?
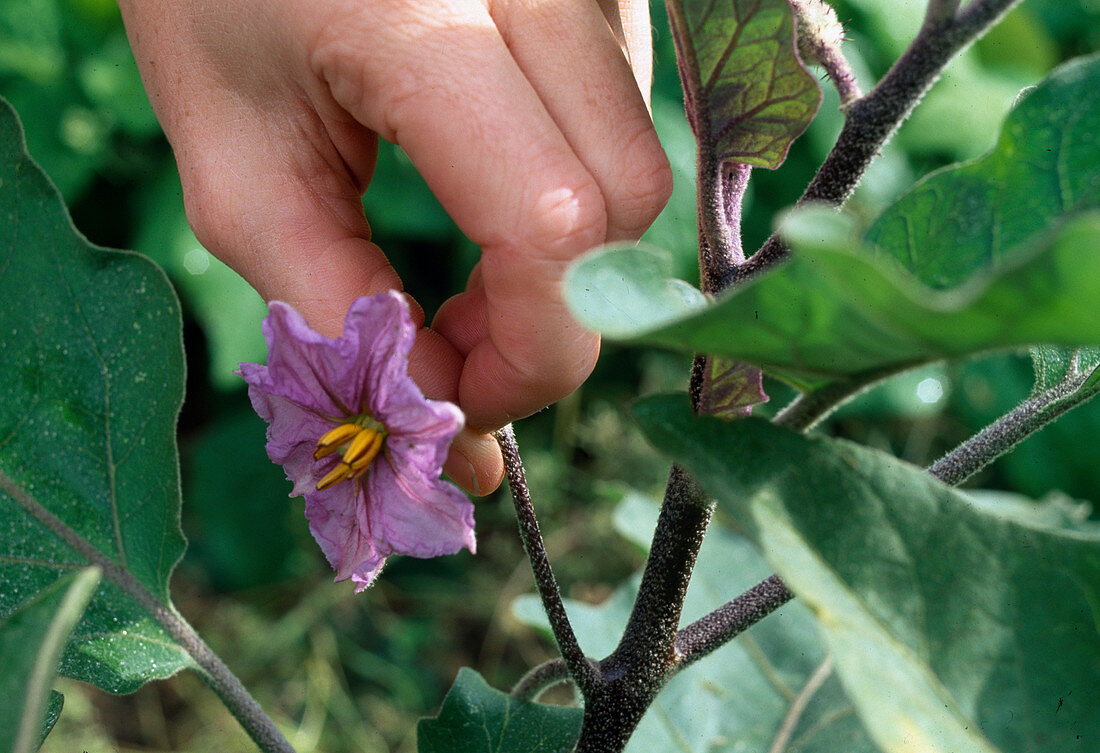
{"x":493,"y":391}
{"x":475,"y":463}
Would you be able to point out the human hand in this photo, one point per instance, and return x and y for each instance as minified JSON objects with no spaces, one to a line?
{"x":524,"y":117}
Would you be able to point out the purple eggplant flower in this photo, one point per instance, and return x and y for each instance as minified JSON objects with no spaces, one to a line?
{"x":358,"y":439}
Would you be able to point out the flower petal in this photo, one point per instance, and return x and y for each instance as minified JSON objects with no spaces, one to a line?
{"x":421,"y":434}
{"x":378,"y":335}
{"x":304,"y":366}
{"x":417,"y":516}
{"x":335,"y":519}
{"x":312,"y":383}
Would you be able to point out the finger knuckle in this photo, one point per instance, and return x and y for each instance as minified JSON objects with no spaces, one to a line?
{"x":568,"y":220}
{"x":206,"y":202}
{"x":644,"y":187}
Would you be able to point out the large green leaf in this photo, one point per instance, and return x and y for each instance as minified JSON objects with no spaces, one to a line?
{"x":1045,"y":166}
{"x":949,"y":618}
{"x":977,"y":217}
{"x":476,"y":718}
{"x":90,"y":384}
{"x":745,"y":91}
{"x":775,"y":681}
{"x":831,"y":313}
{"x":842,"y":307}
{"x":31,"y":640}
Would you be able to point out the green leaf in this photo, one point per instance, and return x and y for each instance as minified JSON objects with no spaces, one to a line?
{"x":53,"y":713}
{"x":1014,"y":229}
{"x":833,"y":313}
{"x":746,"y":93}
{"x":977,"y":217}
{"x":90,"y":385}
{"x":1054,"y":365}
{"x":1064,"y":379}
{"x":945,"y":616}
{"x":31,"y":640}
{"x":1059,"y":367}
{"x":476,"y":718}
{"x":627,"y":288}
{"x":746,"y":694}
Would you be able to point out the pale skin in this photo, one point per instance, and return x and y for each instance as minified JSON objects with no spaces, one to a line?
{"x":528,"y":119}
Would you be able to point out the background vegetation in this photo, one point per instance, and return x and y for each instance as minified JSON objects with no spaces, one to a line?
{"x":319,"y":659}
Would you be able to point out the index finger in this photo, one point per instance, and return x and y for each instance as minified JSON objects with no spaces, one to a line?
{"x":501,"y":165}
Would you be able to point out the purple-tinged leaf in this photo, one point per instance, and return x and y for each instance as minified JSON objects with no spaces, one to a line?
{"x":730,"y":389}
{"x":746,"y":93}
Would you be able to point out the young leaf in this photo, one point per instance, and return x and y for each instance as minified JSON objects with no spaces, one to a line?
{"x":90,"y":385}
{"x":476,"y":718}
{"x":53,"y":713}
{"x":1077,"y":381}
{"x":771,"y":689}
{"x":746,"y":93}
{"x":31,"y":640}
{"x":954,"y":626}
{"x":1056,"y":366}
{"x":730,"y":389}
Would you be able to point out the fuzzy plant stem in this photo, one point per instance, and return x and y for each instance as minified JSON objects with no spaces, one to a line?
{"x":941,"y":10}
{"x":810,"y":408}
{"x":583,"y":672}
{"x":871,"y":120}
{"x":646,"y":656}
{"x":721,"y":188}
{"x":714,"y":630}
{"x":819,"y":38}
{"x":539,"y":678}
{"x":212,"y":669}
{"x":1008,"y":431}
{"x":639,"y":667}
{"x":840,"y":73}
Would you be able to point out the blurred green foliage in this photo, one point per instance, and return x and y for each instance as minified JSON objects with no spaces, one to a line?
{"x":342,"y":673}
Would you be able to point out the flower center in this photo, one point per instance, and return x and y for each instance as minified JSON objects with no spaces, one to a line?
{"x":360,"y":440}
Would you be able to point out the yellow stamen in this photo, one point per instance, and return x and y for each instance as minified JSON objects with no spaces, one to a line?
{"x":333,"y":439}
{"x":359,"y":444}
{"x":359,"y":467}
{"x":339,"y":473}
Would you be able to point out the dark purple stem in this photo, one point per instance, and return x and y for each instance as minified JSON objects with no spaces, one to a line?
{"x":645,"y":658}
{"x":730,"y":620}
{"x":583,"y":672}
